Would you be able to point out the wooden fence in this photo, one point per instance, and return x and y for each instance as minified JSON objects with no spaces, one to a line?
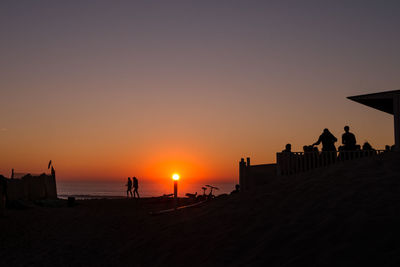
{"x":251,"y":176}
{"x":296,"y":162}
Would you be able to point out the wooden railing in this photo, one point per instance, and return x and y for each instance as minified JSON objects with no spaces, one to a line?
{"x":296,"y":162}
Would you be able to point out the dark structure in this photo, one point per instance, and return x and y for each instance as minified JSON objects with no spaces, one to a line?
{"x":250,"y":176}
{"x":291,"y":163}
{"x":31,"y":187}
{"x":388,"y":102}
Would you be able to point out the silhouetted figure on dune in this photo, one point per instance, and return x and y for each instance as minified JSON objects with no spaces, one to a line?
{"x":129,"y":187}
{"x":348,"y":140}
{"x":237,"y":189}
{"x":288,"y":149}
{"x":328,"y":141}
{"x":135,"y":187}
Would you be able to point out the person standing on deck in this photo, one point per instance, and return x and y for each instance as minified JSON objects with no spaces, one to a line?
{"x":348,"y":140}
{"x":135,"y":187}
{"x":328,"y":141}
{"x":288,"y":149}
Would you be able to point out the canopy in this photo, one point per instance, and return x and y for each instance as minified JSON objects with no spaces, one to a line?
{"x":388,"y":102}
{"x":382,"y":101}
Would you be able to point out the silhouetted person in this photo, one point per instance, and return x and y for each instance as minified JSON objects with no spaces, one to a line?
{"x":367,"y":147}
{"x":12,"y":173}
{"x":237,"y":189}
{"x":285,"y":159}
{"x":288,"y":149}
{"x":328,"y":141}
{"x":387,"y":148}
{"x":135,"y":187}
{"x":348,"y":140}
{"x":129,"y":187}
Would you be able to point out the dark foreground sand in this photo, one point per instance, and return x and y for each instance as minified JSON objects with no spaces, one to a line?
{"x":331,"y":217}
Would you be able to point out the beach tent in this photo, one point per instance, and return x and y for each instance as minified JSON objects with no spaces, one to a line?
{"x":388,"y":102}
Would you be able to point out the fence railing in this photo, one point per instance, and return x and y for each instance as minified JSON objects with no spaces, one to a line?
{"x":296,"y":162}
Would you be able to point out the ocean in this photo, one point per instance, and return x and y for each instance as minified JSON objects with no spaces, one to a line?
{"x":114,"y":189}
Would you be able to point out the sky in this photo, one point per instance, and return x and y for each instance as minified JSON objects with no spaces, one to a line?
{"x":110,"y":89}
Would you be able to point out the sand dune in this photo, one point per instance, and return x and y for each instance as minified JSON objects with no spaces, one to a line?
{"x":348,"y":215}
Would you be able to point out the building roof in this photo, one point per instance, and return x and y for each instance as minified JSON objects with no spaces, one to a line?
{"x":382,"y":101}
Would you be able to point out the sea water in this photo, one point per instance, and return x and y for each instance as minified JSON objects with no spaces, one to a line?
{"x":113,"y":189}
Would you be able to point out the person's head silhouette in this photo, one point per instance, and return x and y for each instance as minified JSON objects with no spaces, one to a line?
{"x":288,"y":147}
{"x":346,"y":128}
{"x":326,"y":131}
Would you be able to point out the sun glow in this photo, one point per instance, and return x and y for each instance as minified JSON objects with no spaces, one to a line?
{"x":175,"y":177}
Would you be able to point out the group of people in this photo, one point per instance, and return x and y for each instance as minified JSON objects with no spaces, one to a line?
{"x":328,"y":141}
{"x":132,"y":183}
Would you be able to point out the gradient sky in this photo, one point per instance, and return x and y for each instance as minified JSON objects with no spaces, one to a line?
{"x":110,"y":89}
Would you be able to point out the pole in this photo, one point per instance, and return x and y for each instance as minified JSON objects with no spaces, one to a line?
{"x":175,"y":194}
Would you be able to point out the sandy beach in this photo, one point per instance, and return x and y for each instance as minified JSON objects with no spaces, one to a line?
{"x":329,"y":217}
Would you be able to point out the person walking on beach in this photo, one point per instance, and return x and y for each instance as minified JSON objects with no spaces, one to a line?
{"x":135,"y":187}
{"x":328,"y":141}
{"x":129,"y":185}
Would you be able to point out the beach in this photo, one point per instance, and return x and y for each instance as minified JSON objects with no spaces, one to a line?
{"x":347,"y":215}
{"x":116,"y":188}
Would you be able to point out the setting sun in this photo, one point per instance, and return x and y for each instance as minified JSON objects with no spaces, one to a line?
{"x":175,"y":176}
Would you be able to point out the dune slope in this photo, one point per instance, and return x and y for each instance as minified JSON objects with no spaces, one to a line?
{"x":345,"y":215}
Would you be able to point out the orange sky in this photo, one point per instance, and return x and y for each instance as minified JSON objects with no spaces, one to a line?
{"x":110,"y":91}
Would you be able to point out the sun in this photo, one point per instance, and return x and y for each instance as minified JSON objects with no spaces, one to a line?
{"x":175,"y":177}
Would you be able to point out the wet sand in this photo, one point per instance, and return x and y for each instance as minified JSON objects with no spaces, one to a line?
{"x":339,"y":216}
